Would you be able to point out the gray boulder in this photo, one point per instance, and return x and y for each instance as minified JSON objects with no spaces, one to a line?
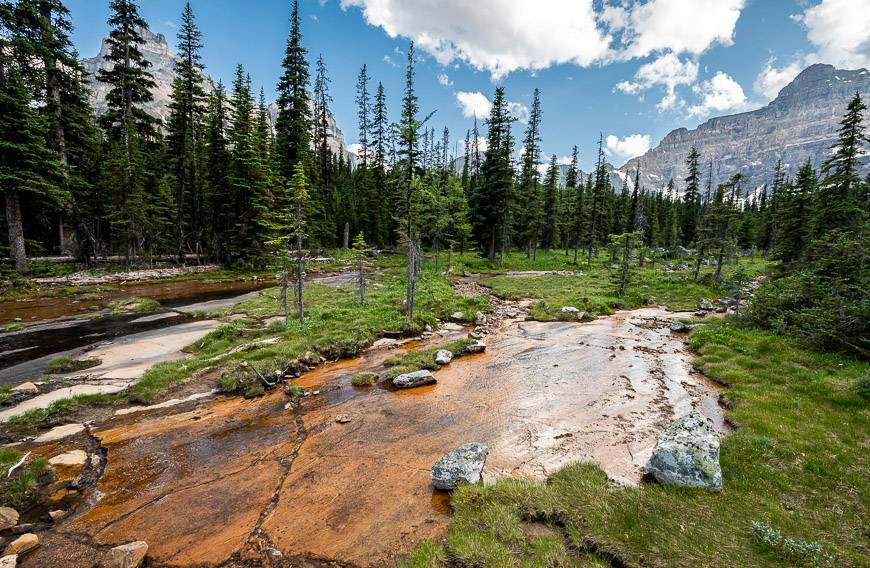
{"x":569,"y":310}
{"x":678,"y":327}
{"x":687,"y":454}
{"x":476,"y":347}
{"x":462,"y":465}
{"x":480,"y":318}
{"x":415,"y":379}
{"x":706,"y":305}
{"x":443,"y":356}
{"x":457,"y":316}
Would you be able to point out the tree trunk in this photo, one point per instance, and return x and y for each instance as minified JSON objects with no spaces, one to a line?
{"x":345,"y":243}
{"x":16,"y":230}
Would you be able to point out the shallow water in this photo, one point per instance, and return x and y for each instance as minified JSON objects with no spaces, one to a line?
{"x":233,"y":478}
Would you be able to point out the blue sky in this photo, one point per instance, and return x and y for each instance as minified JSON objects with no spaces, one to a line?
{"x":631,"y":70}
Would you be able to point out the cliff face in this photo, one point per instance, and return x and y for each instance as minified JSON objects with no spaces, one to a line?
{"x":800,"y":123}
{"x":162,"y":59}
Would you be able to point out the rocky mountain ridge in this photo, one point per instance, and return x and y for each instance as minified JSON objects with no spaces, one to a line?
{"x":800,"y":123}
{"x":162,"y":58}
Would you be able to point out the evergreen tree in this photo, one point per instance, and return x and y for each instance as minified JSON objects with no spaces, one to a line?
{"x":795,"y":214}
{"x":292,"y":126}
{"x":130,"y":128}
{"x":321,"y":206}
{"x":529,"y":211}
{"x":409,"y":131}
{"x":550,"y":204}
{"x":187,"y":106}
{"x":218,"y":195}
{"x":27,"y":165}
{"x":841,"y":195}
{"x":692,"y":197}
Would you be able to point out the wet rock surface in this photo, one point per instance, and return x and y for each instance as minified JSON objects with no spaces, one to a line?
{"x":687,"y":454}
{"x":462,"y":465}
{"x":235,"y":482}
{"x":443,"y":356}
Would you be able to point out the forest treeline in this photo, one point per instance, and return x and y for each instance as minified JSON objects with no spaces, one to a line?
{"x":219,"y":181}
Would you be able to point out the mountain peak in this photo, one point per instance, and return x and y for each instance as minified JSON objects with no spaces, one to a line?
{"x":800,"y":123}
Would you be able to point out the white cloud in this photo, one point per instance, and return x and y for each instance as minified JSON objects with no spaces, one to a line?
{"x":477,"y":104}
{"x":721,"y":93}
{"x":667,"y":70}
{"x":501,"y":36}
{"x":389,"y":61}
{"x":628,"y":147}
{"x":473,"y":104}
{"x":519,"y":111}
{"x":840,"y":30}
{"x":771,"y":79}
{"x":445,"y":80}
{"x":681,"y":26}
{"x":498,"y":36}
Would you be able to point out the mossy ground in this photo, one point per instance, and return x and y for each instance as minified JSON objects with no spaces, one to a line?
{"x":418,"y":359}
{"x":797,"y":461}
{"x":592,"y":287}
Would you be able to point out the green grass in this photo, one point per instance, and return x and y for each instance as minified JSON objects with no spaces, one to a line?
{"x":5,"y":391}
{"x":58,"y":412}
{"x":797,"y":462}
{"x":133,"y":305}
{"x":364,"y":379}
{"x":418,"y":359}
{"x":14,"y":326}
{"x":593,"y":290}
{"x":66,"y":364}
{"x":19,"y":490}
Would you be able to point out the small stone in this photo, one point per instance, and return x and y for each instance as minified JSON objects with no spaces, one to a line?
{"x":701,"y":314}
{"x":74,"y":457}
{"x":462,"y":465}
{"x":60,"y":432}
{"x":10,"y":561}
{"x":342,"y":418}
{"x":466,"y":274}
{"x":474,"y":335}
{"x":457,"y":316}
{"x":476,"y":347}
{"x":22,"y":545}
{"x":130,"y":555}
{"x":480,"y":318}
{"x":443,"y":357}
{"x":28,"y":388}
{"x":24,"y":528}
{"x":569,"y":310}
{"x":679,"y":327}
{"x":57,"y":515}
{"x":415,"y":379}
{"x":8,"y":518}
{"x":706,"y":305}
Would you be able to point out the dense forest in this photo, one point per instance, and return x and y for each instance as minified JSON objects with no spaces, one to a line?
{"x":219,"y":183}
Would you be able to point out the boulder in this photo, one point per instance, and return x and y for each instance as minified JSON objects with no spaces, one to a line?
{"x":415,"y":379}
{"x":10,"y":561}
{"x":22,"y":545}
{"x":464,"y":464}
{"x":457,"y":316}
{"x":27,"y":388}
{"x":678,"y":327}
{"x":706,"y":305}
{"x":476,"y":347}
{"x":443,"y":356}
{"x":57,"y":515}
{"x":687,"y":454}
{"x":8,"y":518}
{"x":130,"y":555}
{"x":569,"y":310}
{"x":480,"y":318}
{"x":342,"y":418}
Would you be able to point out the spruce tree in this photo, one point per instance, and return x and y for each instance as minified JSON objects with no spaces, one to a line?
{"x":217,"y":195}
{"x":321,"y":207}
{"x":530,"y":214}
{"x":795,"y":211}
{"x":550,"y":202}
{"x":187,"y":106}
{"x":292,"y":126}
{"x":27,"y":165}
{"x":692,"y":197}
{"x":490,"y":201}
{"x":409,"y":129}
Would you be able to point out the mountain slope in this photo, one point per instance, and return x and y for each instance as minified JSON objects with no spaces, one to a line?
{"x":800,"y":123}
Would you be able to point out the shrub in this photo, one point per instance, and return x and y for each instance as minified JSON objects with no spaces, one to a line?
{"x":364,"y":379}
{"x":810,"y":552}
